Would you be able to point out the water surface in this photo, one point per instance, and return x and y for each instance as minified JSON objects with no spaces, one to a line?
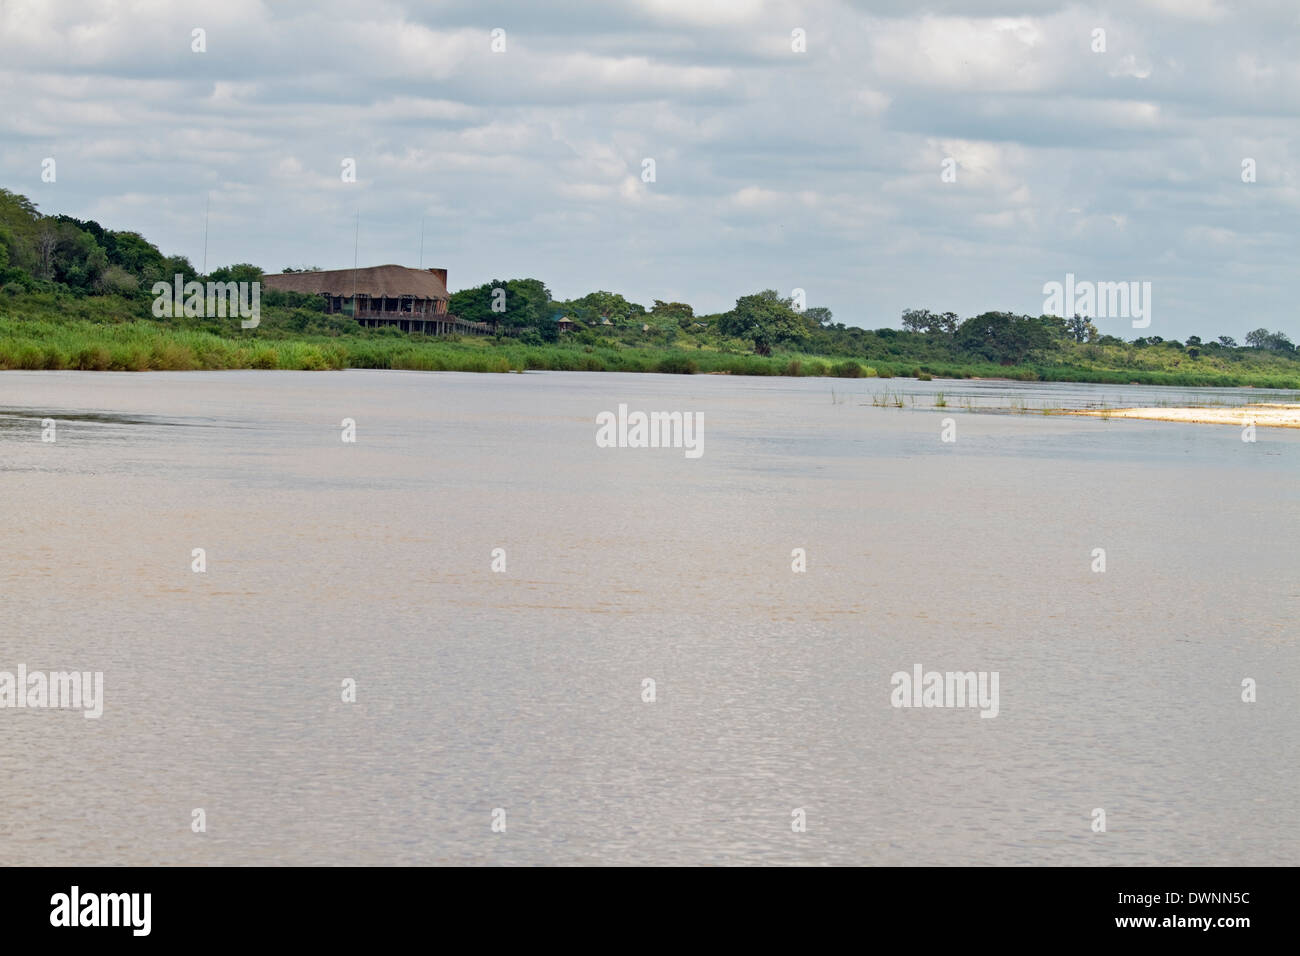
{"x":522,"y":690}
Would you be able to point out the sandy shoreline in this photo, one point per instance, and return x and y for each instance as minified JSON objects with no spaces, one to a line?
{"x":1264,"y":415}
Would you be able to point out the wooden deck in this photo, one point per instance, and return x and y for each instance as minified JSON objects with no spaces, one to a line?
{"x":443,"y":324}
{"x":422,"y":316}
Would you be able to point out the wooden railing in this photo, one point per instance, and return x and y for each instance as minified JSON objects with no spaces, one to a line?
{"x":430,"y":323}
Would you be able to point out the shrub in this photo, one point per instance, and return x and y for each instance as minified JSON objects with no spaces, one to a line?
{"x":677,"y":365}
{"x":171,"y":356}
{"x":129,"y":358}
{"x":92,"y":358}
{"x":30,"y":357}
{"x":312,"y":359}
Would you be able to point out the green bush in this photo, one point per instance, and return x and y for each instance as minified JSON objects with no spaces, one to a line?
{"x":675,"y":364}
{"x":92,"y":358}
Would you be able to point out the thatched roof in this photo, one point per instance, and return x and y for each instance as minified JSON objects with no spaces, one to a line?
{"x":375,"y":281}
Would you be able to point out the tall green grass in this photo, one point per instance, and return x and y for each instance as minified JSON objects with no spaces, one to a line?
{"x":60,"y":335}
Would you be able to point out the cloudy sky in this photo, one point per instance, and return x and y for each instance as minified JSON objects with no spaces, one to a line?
{"x":819,"y":170}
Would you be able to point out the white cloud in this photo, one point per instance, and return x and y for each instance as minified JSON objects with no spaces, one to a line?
{"x":823,"y":164}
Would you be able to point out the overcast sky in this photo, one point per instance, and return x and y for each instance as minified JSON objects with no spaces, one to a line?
{"x":773,"y":168}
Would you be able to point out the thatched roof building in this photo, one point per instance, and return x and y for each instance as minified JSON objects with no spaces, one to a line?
{"x":374,"y":282}
{"x":413,"y":299}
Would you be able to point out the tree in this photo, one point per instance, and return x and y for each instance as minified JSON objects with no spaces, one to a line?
{"x":529,"y":302}
{"x":929,"y":323}
{"x":96,"y":231}
{"x":18,"y":213}
{"x":70,"y":255}
{"x":524,"y":304}
{"x":1227,"y":341}
{"x":1001,"y":337}
{"x":1269,"y":341}
{"x":1080,"y":329}
{"x":19,"y":223}
{"x":1055,"y":329}
{"x":916,"y":320}
{"x":672,"y":310}
{"x":239,"y":272}
{"x":116,"y":281}
{"x":173,"y":266}
{"x":765,"y":317}
{"x":15,"y":208}
{"x":819,"y":316}
{"x":594,"y":306}
{"x":137,"y":256}
{"x":47,"y":239}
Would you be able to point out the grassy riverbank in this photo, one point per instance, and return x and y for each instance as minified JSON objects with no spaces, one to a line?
{"x":107,"y":333}
{"x":144,"y":346}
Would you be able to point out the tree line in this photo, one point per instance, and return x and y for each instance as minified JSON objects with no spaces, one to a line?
{"x":80,"y":257}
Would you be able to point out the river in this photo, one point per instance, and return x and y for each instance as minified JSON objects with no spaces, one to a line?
{"x":520,"y":695}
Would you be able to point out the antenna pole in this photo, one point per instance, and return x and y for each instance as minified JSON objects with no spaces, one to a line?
{"x":356,"y":246}
{"x":205,"y":232}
